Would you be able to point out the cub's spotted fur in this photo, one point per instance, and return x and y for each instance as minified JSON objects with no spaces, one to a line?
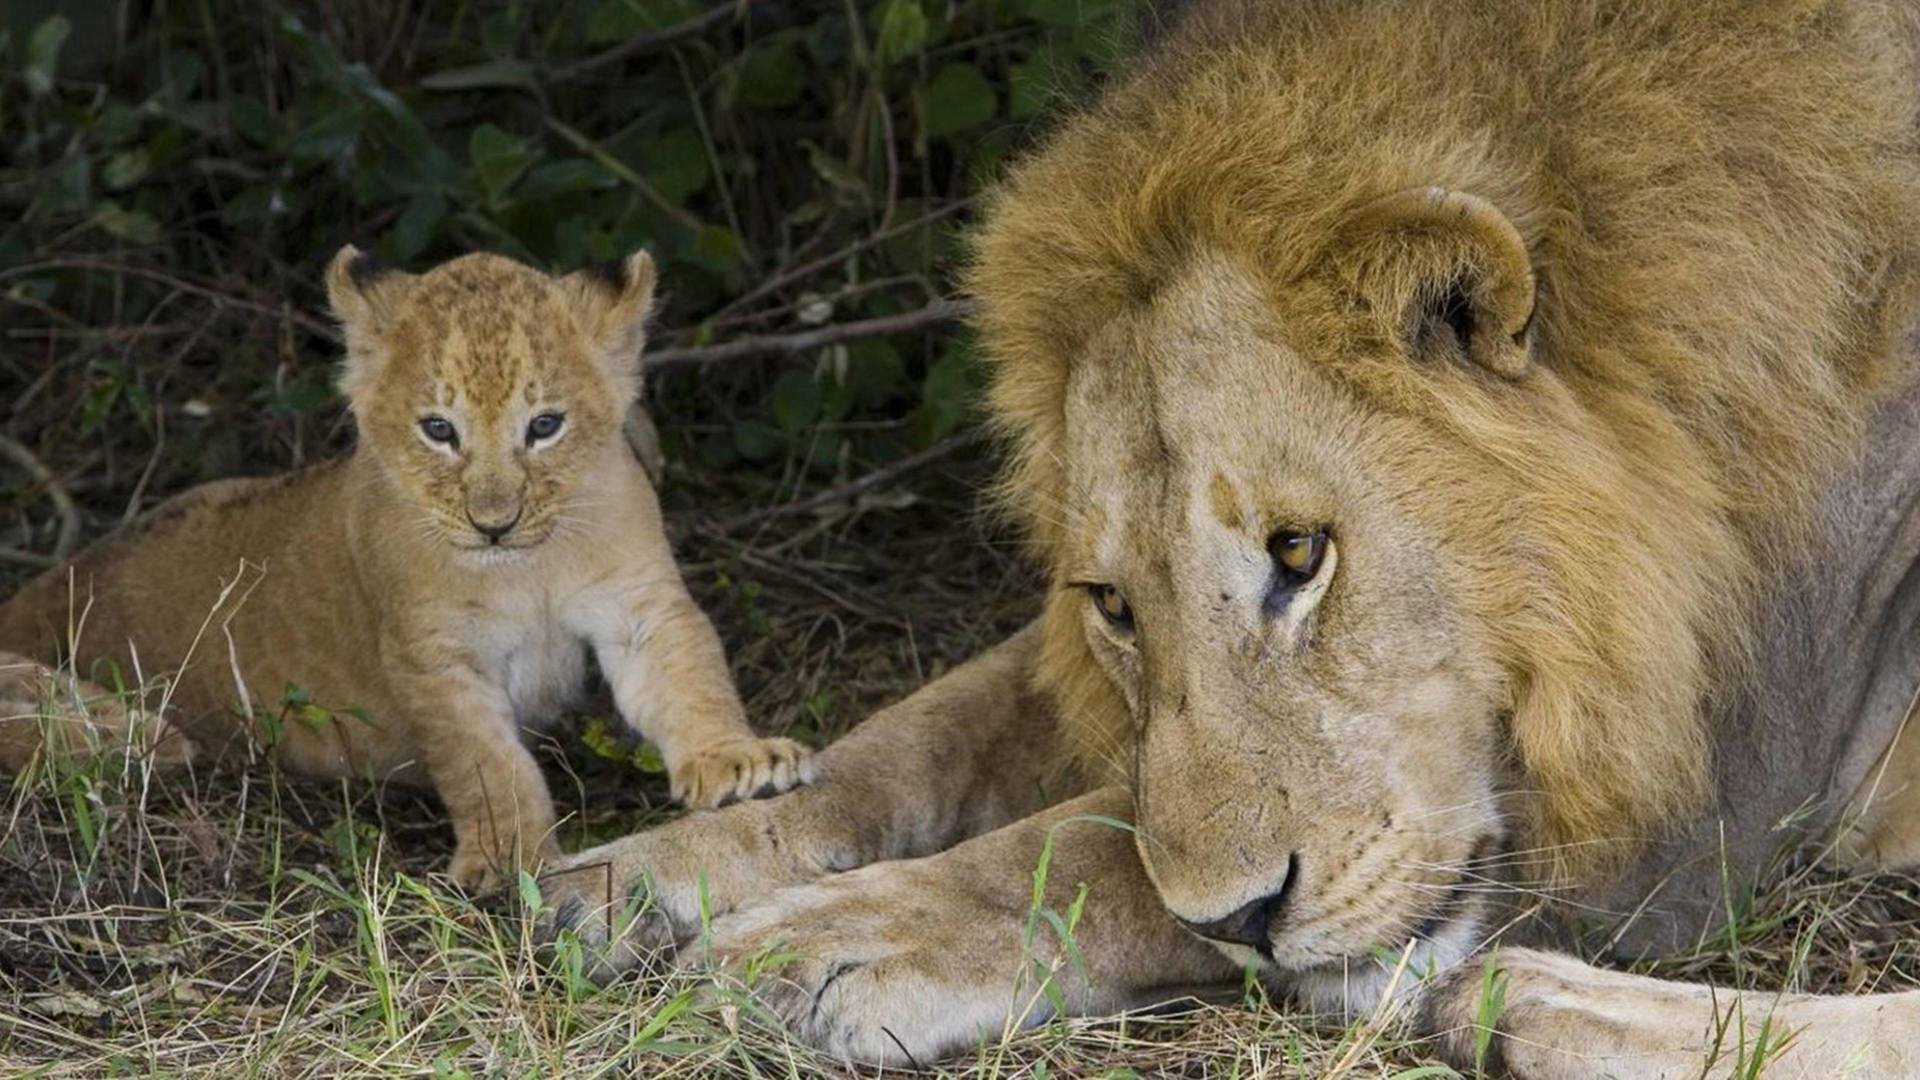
{"x":437,"y":590}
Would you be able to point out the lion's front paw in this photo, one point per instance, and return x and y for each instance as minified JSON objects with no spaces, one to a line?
{"x":747,"y":769}
{"x":616,"y":928}
{"x":631,"y":898}
{"x":866,"y":967}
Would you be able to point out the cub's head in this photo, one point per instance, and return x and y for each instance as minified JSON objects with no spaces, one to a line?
{"x":1372,"y":612}
{"x":487,"y":390}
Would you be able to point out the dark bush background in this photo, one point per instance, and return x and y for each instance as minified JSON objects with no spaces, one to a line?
{"x":177,"y":174}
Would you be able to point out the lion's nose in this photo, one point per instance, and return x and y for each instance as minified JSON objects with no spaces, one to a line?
{"x":1253,"y":921}
{"x":494,"y":530}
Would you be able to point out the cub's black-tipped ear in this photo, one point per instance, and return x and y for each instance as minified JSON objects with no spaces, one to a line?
{"x":364,"y":296}
{"x":612,"y":301}
{"x":1451,"y":268}
{"x":361,"y":290}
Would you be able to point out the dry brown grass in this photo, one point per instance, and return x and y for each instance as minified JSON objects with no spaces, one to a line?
{"x":251,"y":925}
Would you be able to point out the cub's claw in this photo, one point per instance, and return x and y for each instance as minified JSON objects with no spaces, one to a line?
{"x":748,"y":769}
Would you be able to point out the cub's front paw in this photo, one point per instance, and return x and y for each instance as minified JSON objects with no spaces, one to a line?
{"x":868,"y":967}
{"x":746,"y":769}
{"x":481,"y":862}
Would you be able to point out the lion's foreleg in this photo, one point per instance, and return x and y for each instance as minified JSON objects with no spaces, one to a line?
{"x":906,"y":962}
{"x":1555,"y":1016}
{"x":965,"y":754}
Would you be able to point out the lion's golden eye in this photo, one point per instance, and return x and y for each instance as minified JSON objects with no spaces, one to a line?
{"x":1297,"y":555}
{"x":1113,"y":607}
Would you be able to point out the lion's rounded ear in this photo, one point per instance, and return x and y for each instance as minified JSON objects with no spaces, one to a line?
{"x":1452,"y":268}
{"x":612,"y":301}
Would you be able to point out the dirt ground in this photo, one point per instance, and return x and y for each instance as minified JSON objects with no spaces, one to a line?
{"x":245,"y":924}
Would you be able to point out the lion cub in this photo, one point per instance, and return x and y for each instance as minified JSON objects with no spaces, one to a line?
{"x":403,"y":612}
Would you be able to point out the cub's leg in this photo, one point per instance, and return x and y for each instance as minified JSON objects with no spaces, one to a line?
{"x":469,"y":739}
{"x":670,"y":682}
{"x":903,"y":963}
{"x":44,"y":712}
{"x":965,"y":754}
{"x":1563,"y":1018}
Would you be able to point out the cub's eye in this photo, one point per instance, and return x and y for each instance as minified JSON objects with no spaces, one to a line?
{"x":544,"y":426}
{"x":1297,"y":555}
{"x":1113,"y":607}
{"x":439,"y":429}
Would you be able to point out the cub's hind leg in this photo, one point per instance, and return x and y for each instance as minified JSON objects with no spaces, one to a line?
{"x":48,"y":714}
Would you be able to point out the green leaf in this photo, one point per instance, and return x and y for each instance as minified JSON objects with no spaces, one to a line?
{"x":327,"y":135}
{"x":125,"y":169}
{"x":618,"y":20}
{"x":134,"y":226}
{"x":254,"y":121}
{"x":903,"y":30}
{"x":499,"y":31}
{"x":796,"y":400}
{"x":676,"y":164}
{"x":510,"y":73}
{"x":646,"y":757}
{"x":771,"y":77}
{"x":529,"y":891}
{"x":43,"y":52}
{"x":116,"y":124}
{"x":72,"y":188}
{"x":717,"y":249}
{"x":1070,"y":14}
{"x":1039,"y":83}
{"x":947,"y":394}
{"x":959,"y":98}
{"x":416,"y":227}
{"x":757,"y":441}
{"x":498,"y":160}
{"x":567,"y":176}
{"x":875,"y":371}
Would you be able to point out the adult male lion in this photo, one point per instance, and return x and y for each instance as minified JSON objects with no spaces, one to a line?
{"x":1471,"y":443}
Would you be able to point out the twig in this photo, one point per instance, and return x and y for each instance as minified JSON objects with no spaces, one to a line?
{"x":787,"y":277}
{"x":27,"y":558}
{"x":853,"y":489}
{"x":309,"y":323}
{"x":787,"y":344}
{"x":62,"y":502}
{"x":636,"y":45}
{"x":619,"y":169}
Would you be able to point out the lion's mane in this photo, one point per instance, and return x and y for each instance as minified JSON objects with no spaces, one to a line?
{"x":1720,"y":203}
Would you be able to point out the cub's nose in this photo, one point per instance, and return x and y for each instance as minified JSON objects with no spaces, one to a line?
{"x":495,"y":529}
{"x":1253,"y":921}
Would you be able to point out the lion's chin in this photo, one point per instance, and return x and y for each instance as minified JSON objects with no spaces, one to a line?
{"x":1361,"y":984}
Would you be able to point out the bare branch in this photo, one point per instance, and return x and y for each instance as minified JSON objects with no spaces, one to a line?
{"x":855,"y":488}
{"x":62,"y":502}
{"x":939,"y":311}
{"x":634,"y":46}
{"x":210,"y":290}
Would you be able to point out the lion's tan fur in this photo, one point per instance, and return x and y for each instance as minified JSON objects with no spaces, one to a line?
{"x":419,"y":645}
{"x":1719,"y":199}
